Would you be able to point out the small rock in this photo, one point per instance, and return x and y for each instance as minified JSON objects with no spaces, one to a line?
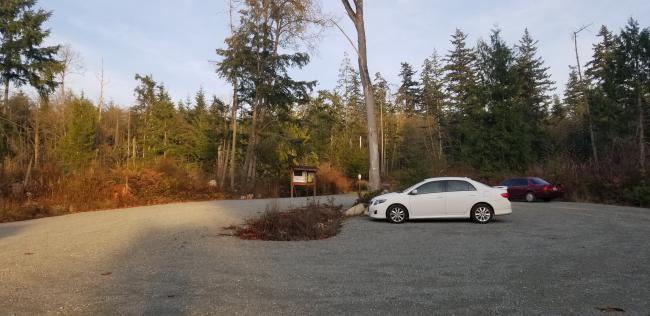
{"x":212,"y":183}
{"x":356,"y":210}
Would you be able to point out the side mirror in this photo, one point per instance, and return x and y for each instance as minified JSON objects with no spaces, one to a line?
{"x":414,"y":192}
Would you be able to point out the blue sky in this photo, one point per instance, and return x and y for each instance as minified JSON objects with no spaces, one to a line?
{"x":175,"y":41}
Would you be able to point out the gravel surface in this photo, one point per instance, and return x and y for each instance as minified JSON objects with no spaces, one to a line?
{"x":545,"y":258}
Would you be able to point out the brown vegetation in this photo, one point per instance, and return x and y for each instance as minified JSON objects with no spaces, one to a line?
{"x":312,"y":222}
{"x":54,"y":193}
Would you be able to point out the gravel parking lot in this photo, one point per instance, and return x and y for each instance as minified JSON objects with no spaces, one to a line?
{"x":545,"y":258}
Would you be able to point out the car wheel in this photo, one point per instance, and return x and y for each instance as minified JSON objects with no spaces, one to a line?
{"x":397,"y":214}
{"x":482,"y":213}
{"x":530,"y":197}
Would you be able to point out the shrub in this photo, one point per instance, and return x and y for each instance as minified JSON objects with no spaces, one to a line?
{"x":308,"y":223}
{"x":367,"y":196}
{"x":331,"y":180}
{"x":639,"y":195}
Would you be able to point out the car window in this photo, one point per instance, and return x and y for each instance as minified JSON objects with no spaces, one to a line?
{"x":520,"y":183}
{"x":538,"y":181}
{"x":431,"y":187}
{"x":458,"y":186}
{"x":506,"y":183}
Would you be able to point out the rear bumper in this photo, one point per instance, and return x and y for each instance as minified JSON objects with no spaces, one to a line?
{"x":503,"y":211}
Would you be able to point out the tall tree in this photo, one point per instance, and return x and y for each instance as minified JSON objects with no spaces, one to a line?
{"x":408,"y":93}
{"x":501,"y":140}
{"x":605,"y":94}
{"x":635,"y":67}
{"x":262,"y":69}
{"x":461,"y":91}
{"x":356,"y":15}
{"x":22,"y":54}
{"x":433,"y":98}
{"x":534,"y":82}
{"x":590,"y":121}
{"x":460,"y":73}
{"x":71,"y":63}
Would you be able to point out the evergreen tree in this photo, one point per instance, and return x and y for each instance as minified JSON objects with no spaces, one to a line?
{"x":634,"y":64}
{"x":558,"y":110}
{"x":23,"y":58}
{"x":433,"y":98}
{"x":205,"y":132}
{"x":408,"y":93}
{"x":534,"y":82}
{"x":460,"y":74}
{"x":499,"y":139}
{"x":77,"y":147}
{"x":574,"y":97}
{"x":262,"y":69}
{"x":605,"y":93}
{"x":461,"y":87}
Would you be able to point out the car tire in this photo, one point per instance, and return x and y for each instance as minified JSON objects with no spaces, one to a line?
{"x":482,"y":213}
{"x":397,"y":214}
{"x":530,"y":196}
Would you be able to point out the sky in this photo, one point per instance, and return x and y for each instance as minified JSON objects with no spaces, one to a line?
{"x":175,"y":41}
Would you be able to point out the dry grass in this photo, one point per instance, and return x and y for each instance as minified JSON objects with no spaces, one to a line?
{"x":53,"y":193}
{"x":313,"y":222}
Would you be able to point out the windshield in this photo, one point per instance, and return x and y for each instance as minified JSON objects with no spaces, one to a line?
{"x":412,"y":187}
{"x":539,"y":181}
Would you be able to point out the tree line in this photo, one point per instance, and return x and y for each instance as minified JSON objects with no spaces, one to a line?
{"x":487,"y":110}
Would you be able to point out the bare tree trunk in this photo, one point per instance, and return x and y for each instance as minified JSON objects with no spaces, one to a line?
{"x":5,"y":108}
{"x":233,"y":110}
{"x":28,"y":174}
{"x":641,"y":133}
{"x":356,"y":15}
{"x":128,"y":138}
{"x":116,"y":144}
{"x":100,"y":104}
{"x":592,"y":136}
{"x":382,"y":165}
{"x":250,"y":164}
{"x":233,"y":150}
{"x":37,"y":137}
{"x":63,"y":74}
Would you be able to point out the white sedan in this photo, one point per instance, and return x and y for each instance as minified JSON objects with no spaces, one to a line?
{"x":450,"y":197}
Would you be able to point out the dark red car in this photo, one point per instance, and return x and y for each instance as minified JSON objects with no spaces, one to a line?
{"x":531,"y":189}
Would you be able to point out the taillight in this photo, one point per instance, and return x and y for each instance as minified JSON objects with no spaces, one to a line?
{"x":505,"y":195}
{"x":547,"y":188}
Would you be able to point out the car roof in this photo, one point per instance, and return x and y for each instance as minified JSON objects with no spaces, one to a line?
{"x":448,"y":178}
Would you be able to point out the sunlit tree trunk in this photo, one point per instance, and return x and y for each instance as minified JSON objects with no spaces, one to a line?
{"x":356,"y":15}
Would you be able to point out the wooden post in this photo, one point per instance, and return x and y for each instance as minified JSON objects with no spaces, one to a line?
{"x":291,"y":179}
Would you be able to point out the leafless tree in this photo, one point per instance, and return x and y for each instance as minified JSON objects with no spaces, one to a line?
{"x":71,"y":63}
{"x":356,"y":15}
{"x":592,"y":137}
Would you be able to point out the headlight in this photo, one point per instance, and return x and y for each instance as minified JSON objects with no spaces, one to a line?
{"x":379,"y":201}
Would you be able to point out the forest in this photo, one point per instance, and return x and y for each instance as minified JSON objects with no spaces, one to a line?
{"x":486,"y":110}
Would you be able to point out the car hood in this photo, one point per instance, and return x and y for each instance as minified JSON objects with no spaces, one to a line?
{"x":387,"y":196}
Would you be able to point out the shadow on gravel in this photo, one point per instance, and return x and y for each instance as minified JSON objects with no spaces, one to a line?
{"x":148,"y":278}
{"x":7,"y":230}
{"x":445,"y":221}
